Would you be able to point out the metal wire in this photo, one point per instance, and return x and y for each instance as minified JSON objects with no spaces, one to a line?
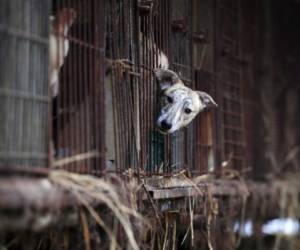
{"x":109,"y":124}
{"x":134,"y":51}
{"x":78,"y":108}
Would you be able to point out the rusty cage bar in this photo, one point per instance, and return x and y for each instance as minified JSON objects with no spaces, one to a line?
{"x":138,"y":33}
{"x":104,"y":96}
{"x":77,"y":85}
{"x":104,"y":114}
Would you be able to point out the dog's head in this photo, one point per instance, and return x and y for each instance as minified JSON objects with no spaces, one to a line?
{"x":65,"y":19}
{"x":180,"y":103}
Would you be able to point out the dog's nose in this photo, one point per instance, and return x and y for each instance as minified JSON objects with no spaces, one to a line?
{"x":165,"y":126}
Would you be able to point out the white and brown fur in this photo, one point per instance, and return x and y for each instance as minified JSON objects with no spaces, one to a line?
{"x":58,"y":51}
{"x":161,"y":60}
{"x":180,"y":103}
{"x":59,"y":44}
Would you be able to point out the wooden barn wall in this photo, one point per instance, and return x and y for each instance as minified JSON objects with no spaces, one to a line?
{"x":277,"y":78}
{"x":205,"y":148}
{"x":286,"y":79}
{"x":249,"y":32}
{"x":265,"y":59}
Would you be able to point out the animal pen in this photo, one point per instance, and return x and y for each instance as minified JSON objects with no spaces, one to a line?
{"x":82,"y":163}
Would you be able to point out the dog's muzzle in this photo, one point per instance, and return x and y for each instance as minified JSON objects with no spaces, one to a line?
{"x":164,"y":126}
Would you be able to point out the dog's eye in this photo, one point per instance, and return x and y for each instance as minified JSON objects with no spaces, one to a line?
{"x":187,"y":110}
{"x":169,"y":99}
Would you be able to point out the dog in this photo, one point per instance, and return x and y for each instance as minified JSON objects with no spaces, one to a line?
{"x":58,"y":51}
{"x":180,"y":104}
{"x":59,"y":44}
{"x":162,"y":61}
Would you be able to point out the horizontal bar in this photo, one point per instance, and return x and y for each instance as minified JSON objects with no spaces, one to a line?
{"x":22,"y":155}
{"x":79,"y":42}
{"x":35,"y":203}
{"x":174,"y":193}
{"x":203,"y":145}
{"x":230,"y":83}
{"x":230,"y":99}
{"x":48,"y":204}
{"x":22,"y":95}
{"x":84,"y":44}
{"x":24,"y":35}
{"x":232,"y":113}
{"x":182,"y":65}
{"x":230,"y":127}
{"x":191,"y":188}
{"x":23,"y":170}
{"x":236,"y":143}
{"x":77,"y":158}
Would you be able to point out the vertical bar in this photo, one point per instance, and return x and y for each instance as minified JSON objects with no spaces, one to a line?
{"x":99,"y":15}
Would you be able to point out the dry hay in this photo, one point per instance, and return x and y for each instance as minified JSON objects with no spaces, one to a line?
{"x":120,"y":199}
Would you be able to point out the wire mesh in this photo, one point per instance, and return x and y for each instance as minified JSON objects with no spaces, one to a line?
{"x":121,"y":86}
{"x":181,"y":141}
{"x":24,"y":82}
{"x":122,"y":109}
{"x":155,"y":30}
{"x":138,"y":41}
{"x":109,"y":123}
{"x":77,"y":85}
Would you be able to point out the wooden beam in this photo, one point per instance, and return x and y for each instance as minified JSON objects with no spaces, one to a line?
{"x":34,"y":203}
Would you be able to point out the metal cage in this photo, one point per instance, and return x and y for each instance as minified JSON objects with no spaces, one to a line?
{"x":77,"y":85}
{"x":137,"y":32}
{"x":24,"y":98}
{"x":104,"y":98}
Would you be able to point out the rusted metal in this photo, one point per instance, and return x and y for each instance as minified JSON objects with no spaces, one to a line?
{"x":138,"y":144}
{"x":131,"y":35}
{"x":78,"y":109}
{"x":135,"y":99}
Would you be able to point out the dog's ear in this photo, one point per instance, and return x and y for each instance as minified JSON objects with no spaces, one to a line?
{"x":66,"y":17}
{"x":166,"y":78}
{"x":207,"y":100}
